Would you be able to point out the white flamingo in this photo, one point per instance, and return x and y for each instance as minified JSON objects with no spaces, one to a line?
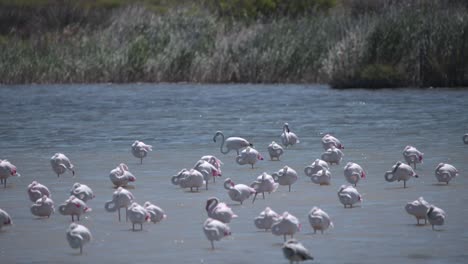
{"x":319,"y":219}
{"x":207,"y":170}
{"x":288,"y":137}
{"x":295,"y":251}
{"x":287,"y":224}
{"x":322,"y":177}
{"x":264,"y":183}
{"x":37,"y":190}
{"x":121,"y":176}
{"x":5,"y":219}
{"x":73,"y":206}
{"x":82,"y":192}
{"x":138,"y":215}
{"x":445,"y":172}
{"x":156,"y":213}
{"x":418,"y":208}
{"x":348,"y":195}
{"x":266,"y":219}
{"x":353,"y":172}
{"x":44,"y":206}
{"x":121,"y":198}
{"x":412,"y":155}
{"x":285,"y":176}
{"x":315,"y":167}
{"x":61,"y":163}
{"x":215,"y":230}
{"x":328,"y":141}
{"x":78,"y":236}
{"x":400,"y":172}
{"x":219,"y":211}
{"x":6,"y":170}
{"x":140,"y":150}
{"x":238,"y":192}
{"x":275,"y":151}
{"x":332,"y":155}
{"x":232,"y":143}
{"x":436,"y":216}
{"x":213,"y":160}
{"x":248,"y":156}
{"x":189,"y":179}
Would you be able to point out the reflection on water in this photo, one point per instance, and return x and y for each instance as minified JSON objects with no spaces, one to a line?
{"x":94,"y":125}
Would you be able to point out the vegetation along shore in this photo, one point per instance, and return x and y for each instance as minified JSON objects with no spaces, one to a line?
{"x":345,"y":43}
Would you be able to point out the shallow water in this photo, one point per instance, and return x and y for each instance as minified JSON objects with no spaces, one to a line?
{"x":94,"y":125}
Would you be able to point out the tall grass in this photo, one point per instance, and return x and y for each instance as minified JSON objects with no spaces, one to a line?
{"x":394,"y":45}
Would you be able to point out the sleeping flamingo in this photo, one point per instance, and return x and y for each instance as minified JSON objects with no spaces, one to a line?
{"x":238,"y":192}
{"x":188,"y":179}
{"x":328,"y":141}
{"x":140,"y":150}
{"x":37,"y":190}
{"x":400,"y":172}
{"x":207,"y":170}
{"x":120,"y":176}
{"x":315,"y":167}
{"x":156,"y":213}
{"x":5,"y":219}
{"x":332,"y":155}
{"x":213,"y":160}
{"x":248,"y":156}
{"x":74,"y":206}
{"x":412,"y":155}
{"x":44,"y":206}
{"x":275,"y":151}
{"x":319,"y":219}
{"x":77,"y":236}
{"x":285,"y":176}
{"x":445,"y":172}
{"x":232,"y":143}
{"x":418,"y":208}
{"x":288,"y":137}
{"x":322,"y":177}
{"x":215,"y":230}
{"x":287,"y":224}
{"x":219,"y":211}
{"x":138,"y":215}
{"x":436,"y":216}
{"x":266,"y":219}
{"x":348,"y":195}
{"x":82,"y":192}
{"x":121,"y":198}
{"x":353,"y":172}
{"x":264,"y":183}
{"x":61,"y":163}
{"x":6,"y":170}
{"x":295,"y":251}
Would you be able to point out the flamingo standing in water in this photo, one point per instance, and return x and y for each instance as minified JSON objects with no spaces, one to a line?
{"x":264,"y":183}
{"x":436,"y":216}
{"x":238,"y":192}
{"x":285,"y":176}
{"x":266,"y":219}
{"x":288,"y":137}
{"x":219,"y":211}
{"x":315,"y":167}
{"x":400,"y":172}
{"x":232,"y":143}
{"x":353,"y":172}
{"x":275,"y":151}
{"x":44,"y":206}
{"x":418,"y":208}
{"x":61,"y":163}
{"x":37,"y":190}
{"x":445,"y":172}
{"x":6,"y":170}
{"x":120,"y":199}
{"x":74,"y":206}
{"x":215,"y":230}
{"x":248,"y":156}
{"x":208,"y":171}
{"x":465,"y":138}
{"x":287,"y":224}
{"x":328,"y":141}
{"x":140,"y":150}
{"x":156,"y":213}
{"x":295,"y":251}
{"x":138,"y":215}
{"x":120,"y":176}
{"x":5,"y":219}
{"x":319,"y":219}
{"x":213,"y":160}
{"x":82,"y":192}
{"x":412,"y":155}
{"x":77,"y":236}
{"x":348,"y":195}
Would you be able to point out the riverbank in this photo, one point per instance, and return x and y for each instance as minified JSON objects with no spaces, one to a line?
{"x":405,"y":44}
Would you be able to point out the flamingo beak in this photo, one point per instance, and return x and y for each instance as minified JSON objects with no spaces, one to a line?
{"x":420,"y":158}
{"x":363,"y":175}
{"x":416,"y":176}
{"x":73,"y":172}
{"x":250,"y":144}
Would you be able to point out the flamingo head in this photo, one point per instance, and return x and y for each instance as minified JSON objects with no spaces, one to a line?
{"x":420,"y":157}
{"x":131,"y":179}
{"x":363,"y":174}
{"x":259,"y":157}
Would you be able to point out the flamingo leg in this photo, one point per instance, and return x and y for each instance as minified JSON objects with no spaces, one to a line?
{"x":255,"y":196}
{"x":119,"y":214}
{"x":81,"y":249}
{"x":284,"y":238}
{"x":141,"y":160}
{"x":289,"y":187}
{"x":263,"y":194}
{"x":4,"y":183}
{"x":73,"y":219}
{"x":133,"y":226}
{"x":126,"y":215}
{"x":404,"y":184}
{"x":212,"y":244}
{"x":78,"y":217}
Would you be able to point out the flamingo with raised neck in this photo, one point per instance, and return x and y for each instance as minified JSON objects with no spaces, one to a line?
{"x":219,"y":211}
{"x":232,"y":143}
{"x":288,"y":138}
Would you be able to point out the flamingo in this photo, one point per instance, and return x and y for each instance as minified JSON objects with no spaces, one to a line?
{"x":328,"y":141}
{"x":6,"y":170}
{"x":348,"y":195}
{"x":121,"y":198}
{"x":82,"y":192}
{"x":37,"y":190}
{"x":400,"y":172}
{"x":120,"y":176}
{"x":207,"y":170}
{"x":436,"y":216}
{"x":315,"y":167}
{"x":238,"y":192}
{"x":248,"y":156}
{"x":295,"y":251}
{"x":140,"y":150}
{"x":266,"y":219}
{"x":215,"y":230}
{"x":285,"y":176}
{"x":219,"y":211}
{"x":418,"y":208}
{"x":287,"y":224}
{"x":264,"y":183}
{"x":5,"y":219}
{"x":465,"y":138}
{"x":61,"y":163}
{"x":353,"y":172}
{"x":288,"y":137}
{"x":232,"y":143}
{"x":322,"y":177}
{"x":445,"y":172}
{"x":44,"y":206}
{"x":275,"y":151}
{"x":78,"y":235}
{"x":319,"y":219}
{"x":156,"y":213}
{"x":213,"y":160}
{"x":412,"y":155}
{"x":74,"y":206}
{"x":189,"y":179}
{"x":332,"y":155}
{"x":138,"y":215}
